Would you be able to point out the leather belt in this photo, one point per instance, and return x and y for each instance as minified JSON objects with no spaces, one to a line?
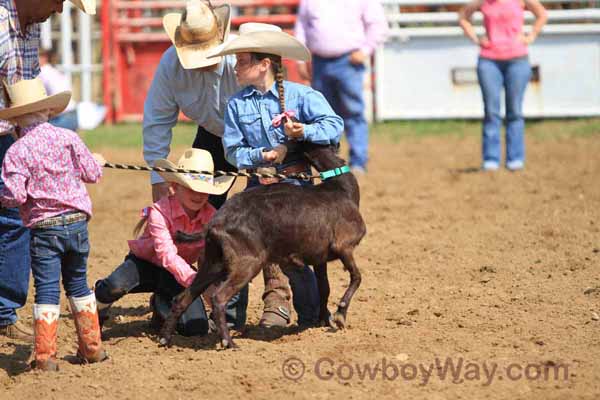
{"x":297,"y":168}
{"x":63,"y":219}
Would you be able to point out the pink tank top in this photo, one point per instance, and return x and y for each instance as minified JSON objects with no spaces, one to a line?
{"x":503,"y":21}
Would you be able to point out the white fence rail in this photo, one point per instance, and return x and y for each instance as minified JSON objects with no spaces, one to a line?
{"x":427,"y":68}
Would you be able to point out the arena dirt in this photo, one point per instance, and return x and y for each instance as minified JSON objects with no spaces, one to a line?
{"x":459,"y":266}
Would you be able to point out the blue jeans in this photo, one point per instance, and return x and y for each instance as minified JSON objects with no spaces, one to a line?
{"x":512,"y":75}
{"x":66,"y":120}
{"x":303,"y":282}
{"x":55,"y":251}
{"x":342,"y":85}
{"x":136,"y":275}
{"x":15,"y":262}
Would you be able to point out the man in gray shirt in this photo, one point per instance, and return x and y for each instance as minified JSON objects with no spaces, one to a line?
{"x":187,"y":81}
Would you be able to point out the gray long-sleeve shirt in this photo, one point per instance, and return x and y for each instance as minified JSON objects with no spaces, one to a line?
{"x":201,"y":96}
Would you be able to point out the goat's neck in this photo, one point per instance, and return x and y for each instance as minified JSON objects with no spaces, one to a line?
{"x":345,"y":183}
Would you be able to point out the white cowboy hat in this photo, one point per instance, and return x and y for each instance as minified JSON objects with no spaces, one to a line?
{"x":87,"y":6}
{"x":196,"y":160}
{"x":28,"y":96}
{"x":255,"y":37}
{"x":197,"y":31}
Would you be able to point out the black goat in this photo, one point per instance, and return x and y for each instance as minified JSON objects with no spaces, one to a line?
{"x":280,"y":224}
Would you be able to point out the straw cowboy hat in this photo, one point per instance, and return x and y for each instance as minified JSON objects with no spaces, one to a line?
{"x":197,"y":31}
{"x":264,"y":38}
{"x":196,"y":160}
{"x":87,"y":6}
{"x":28,"y":96}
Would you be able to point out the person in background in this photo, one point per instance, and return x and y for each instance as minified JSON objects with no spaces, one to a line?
{"x":503,"y":63}
{"x":19,"y":45}
{"x":55,"y":82}
{"x":342,"y":35}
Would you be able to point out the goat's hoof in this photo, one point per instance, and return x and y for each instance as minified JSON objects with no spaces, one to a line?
{"x":328,"y":322}
{"x":164,"y":342}
{"x":340,"y":320}
{"x":229,"y":345}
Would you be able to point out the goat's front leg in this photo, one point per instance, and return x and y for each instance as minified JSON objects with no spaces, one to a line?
{"x":355,"y":278}
{"x":325,"y":318}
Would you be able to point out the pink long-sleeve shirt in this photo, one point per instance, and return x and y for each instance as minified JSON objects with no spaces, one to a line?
{"x":44,"y":173}
{"x":332,"y":28}
{"x":157,"y":244}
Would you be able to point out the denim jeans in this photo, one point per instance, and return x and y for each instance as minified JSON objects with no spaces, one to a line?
{"x":303,"y":282}
{"x":140,"y":276}
{"x":341,"y":82}
{"x":512,"y":75}
{"x":66,"y":120}
{"x":15,"y":261}
{"x":55,"y":251}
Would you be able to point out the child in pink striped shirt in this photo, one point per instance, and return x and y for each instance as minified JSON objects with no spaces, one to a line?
{"x":44,"y":174}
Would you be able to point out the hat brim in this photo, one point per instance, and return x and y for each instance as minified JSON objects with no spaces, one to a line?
{"x":56,"y":104}
{"x":190,"y":57}
{"x":270,"y":42}
{"x":87,"y":6}
{"x":220,"y":184}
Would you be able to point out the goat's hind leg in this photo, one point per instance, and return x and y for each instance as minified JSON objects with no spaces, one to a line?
{"x":355,"y":279}
{"x":180,"y":304}
{"x":233,"y":284}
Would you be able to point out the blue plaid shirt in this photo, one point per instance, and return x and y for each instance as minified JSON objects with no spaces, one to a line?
{"x":19,"y":57}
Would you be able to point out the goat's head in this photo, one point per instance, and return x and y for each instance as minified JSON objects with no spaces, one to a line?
{"x":322,"y":157}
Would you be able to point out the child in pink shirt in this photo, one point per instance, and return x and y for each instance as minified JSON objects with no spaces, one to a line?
{"x":161,"y":260}
{"x":44,"y":174}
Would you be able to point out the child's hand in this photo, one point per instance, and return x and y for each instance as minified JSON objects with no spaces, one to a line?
{"x":270,"y":155}
{"x":293,"y":130}
{"x":99,"y":159}
{"x":267,"y":170}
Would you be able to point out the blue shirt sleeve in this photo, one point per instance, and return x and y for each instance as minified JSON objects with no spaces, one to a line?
{"x":322,"y":124}
{"x":237,"y":150}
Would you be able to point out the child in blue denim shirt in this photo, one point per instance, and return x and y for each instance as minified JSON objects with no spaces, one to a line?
{"x":265,"y":114}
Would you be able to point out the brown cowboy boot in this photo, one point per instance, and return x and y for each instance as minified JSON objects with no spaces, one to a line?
{"x":85,"y":314}
{"x":276,"y":298}
{"x":45,"y":331}
{"x":18,"y":330}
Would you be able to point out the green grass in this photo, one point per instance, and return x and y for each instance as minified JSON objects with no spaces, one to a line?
{"x":130,"y":135}
{"x":541,"y":129}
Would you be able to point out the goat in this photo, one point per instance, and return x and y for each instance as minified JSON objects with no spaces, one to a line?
{"x":281,"y":224}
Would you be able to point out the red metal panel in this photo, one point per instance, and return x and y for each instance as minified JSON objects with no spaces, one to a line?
{"x":133,"y":43}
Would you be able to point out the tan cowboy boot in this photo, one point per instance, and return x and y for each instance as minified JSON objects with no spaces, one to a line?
{"x":18,"y":330}
{"x":85,"y":314}
{"x":45,"y":331}
{"x":276,"y":298}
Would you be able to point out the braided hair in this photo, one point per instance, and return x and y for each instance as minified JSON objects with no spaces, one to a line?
{"x":277,"y":68}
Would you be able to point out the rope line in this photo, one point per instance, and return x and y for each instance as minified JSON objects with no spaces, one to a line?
{"x":302,"y":175}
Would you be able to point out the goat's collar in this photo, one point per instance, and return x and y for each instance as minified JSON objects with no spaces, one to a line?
{"x":334,"y":172}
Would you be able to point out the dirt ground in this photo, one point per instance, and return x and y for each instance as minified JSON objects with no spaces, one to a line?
{"x":495,"y":274}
